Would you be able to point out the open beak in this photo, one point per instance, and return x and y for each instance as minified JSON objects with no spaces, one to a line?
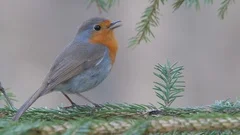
{"x":115,"y":25}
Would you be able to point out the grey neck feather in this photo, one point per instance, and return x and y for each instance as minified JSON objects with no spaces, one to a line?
{"x":83,"y":37}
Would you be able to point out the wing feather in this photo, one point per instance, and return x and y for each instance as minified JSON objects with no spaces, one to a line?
{"x":72,"y":61}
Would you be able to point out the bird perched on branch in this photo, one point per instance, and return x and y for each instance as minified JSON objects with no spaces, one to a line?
{"x":83,"y":64}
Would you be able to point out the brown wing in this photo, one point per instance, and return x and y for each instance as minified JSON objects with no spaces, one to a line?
{"x":72,"y":61}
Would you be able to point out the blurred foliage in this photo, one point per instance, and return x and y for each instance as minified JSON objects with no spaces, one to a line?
{"x":8,"y":97}
{"x":126,"y":119}
{"x":224,"y":7}
{"x":103,"y":5}
{"x":11,"y":96}
{"x":150,"y":16}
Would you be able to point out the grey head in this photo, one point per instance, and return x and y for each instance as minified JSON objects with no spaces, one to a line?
{"x":87,"y":28}
{"x":94,"y":25}
{"x":90,"y":23}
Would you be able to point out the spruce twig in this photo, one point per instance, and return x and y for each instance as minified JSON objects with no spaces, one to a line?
{"x":174,"y":120}
{"x":148,"y":19}
{"x":171,"y":86}
{"x":104,"y":5}
{"x":221,"y":117}
{"x":7,"y":99}
{"x":221,"y":11}
{"x":224,"y":7}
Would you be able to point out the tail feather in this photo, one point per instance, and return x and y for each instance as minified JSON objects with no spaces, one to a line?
{"x":27,"y":104}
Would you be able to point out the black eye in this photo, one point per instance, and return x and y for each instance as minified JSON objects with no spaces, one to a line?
{"x":97,"y":27}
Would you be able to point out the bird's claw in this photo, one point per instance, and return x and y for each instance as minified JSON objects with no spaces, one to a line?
{"x":97,"y":106}
{"x":72,"y":106}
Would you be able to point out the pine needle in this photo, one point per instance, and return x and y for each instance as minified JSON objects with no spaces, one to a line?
{"x":222,"y":11}
{"x":178,"y":3}
{"x":103,"y":5}
{"x":224,"y":7}
{"x":169,"y":87}
{"x":148,"y":19}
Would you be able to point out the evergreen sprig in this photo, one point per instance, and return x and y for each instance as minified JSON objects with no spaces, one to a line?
{"x":224,"y":6}
{"x":104,"y":5}
{"x":226,"y":106}
{"x":148,"y":19}
{"x":178,"y":3}
{"x":80,"y":121}
{"x":170,"y":86}
{"x":8,"y":97}
{"x":143,"y":28}
{"x":11,"y":97}
{"x":125,"y":119}
{"x":221,"y":11}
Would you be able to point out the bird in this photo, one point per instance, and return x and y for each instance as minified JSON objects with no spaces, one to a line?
{"x":83,"y":64}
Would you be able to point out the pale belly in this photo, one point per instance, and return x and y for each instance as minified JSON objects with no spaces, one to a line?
{"x":87,"y":79}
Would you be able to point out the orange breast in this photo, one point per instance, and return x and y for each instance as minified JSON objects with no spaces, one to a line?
{"x":106,"y":37}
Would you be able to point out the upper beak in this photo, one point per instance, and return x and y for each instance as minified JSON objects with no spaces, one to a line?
{"x":114,"y":25}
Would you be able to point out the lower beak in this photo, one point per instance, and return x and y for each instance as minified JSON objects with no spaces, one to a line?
{"x":115,"y":25}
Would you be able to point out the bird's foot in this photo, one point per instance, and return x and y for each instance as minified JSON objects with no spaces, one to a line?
{"x":74,"y":105}
{"x":97,"y":106}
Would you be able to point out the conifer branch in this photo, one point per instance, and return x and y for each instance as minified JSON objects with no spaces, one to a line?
{"x":148,"y":19}
{"x":222,"y":118}
{"x":177,"y":121}
{"x":170,"y":87}
{"x":178,"y":3}
{"x":7,"y":97}
{"x":208,"y":1}
{"x":221,"y":11}
{"x":157,"y":125}
{"x":224,"y":7}
{"x":104,"y":5}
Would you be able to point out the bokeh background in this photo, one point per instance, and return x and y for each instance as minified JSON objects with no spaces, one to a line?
{"x":33,"y":32}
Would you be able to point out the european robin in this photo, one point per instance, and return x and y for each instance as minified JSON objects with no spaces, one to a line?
{"x":83,"y":64}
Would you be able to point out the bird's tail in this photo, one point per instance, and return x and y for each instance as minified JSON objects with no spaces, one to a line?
{"x":27,"y":104}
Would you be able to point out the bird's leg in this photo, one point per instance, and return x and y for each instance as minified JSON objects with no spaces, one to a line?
{"x":95,"y":104}
{"x":69,"y":99}
{"x":5,"y":95}
{"x":75,"y":105}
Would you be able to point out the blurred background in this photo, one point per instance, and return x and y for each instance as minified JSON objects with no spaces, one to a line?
{"x":33,"y":33}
